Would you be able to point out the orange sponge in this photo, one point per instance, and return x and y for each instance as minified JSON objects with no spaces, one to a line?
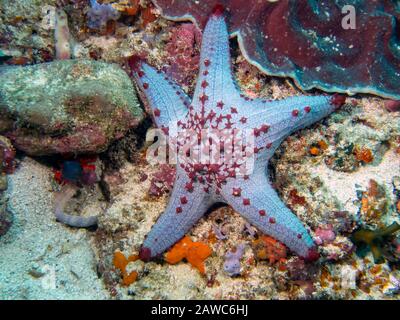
{"x":120,"y":262}
{"x":194,"y":252}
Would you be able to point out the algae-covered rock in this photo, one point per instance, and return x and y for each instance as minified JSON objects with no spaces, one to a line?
{"x":7,"y":155}
{"x":69,"y":106}
{"x":5,"y":215}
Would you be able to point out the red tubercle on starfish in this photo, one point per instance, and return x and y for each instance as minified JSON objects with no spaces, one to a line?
{"x":183,"y":200}
{"x":269,"y":145}
{"x":299,"y":236}
{"x":338,"y":100}
{"x":207,"y":62}
{"x":134,"y":62}
{"x":246,"y":201}
{"x":272,"y":220}
{"x":165,"y":130}
{"x":140,"y":74}
{"x":295,"y":113}
{"x":218,"y":10}
{"x":178,"y":209}
{"x":243,"y":120}
{"x":189,"y":187}
{"x":220,"y":104}
{"x":145,"y":85}
{"x":236,"y":192}
{"x":261,"y":213}
{"x":203,"y":98}
{"x":205,"y":73}
{"x":264,"y":128}
{"x":307,"y":109}
{"x":204,"y":84}
{"x":157,"y":112}
{"x":234,"y":110}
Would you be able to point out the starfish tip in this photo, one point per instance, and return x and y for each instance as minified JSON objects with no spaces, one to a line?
{"x":218,"y":10}
{"x":338,"y":100}
{"x":145,"y":254}
{"x":134,"y":62}
{"x":312,"y":255}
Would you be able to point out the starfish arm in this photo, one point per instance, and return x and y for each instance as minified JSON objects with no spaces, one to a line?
{"x":215,"y":81}
{"x":183,"y":211}
{"x":284,"y":117}
{"x":258,"y":202}
{"x":167,"y":101}
{"x":272,"y":122}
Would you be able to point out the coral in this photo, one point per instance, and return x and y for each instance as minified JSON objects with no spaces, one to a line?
{"x":218,"y":104}
{"x":162,"y":181}
{"x":363,"y":154}
{"x":79,"y":171}
{"x":183,"y":54}
{"x":100,"y":14}
{"x":129,"y":7}
{"x":6,"y":218}
{"x":147,"y":15}
{"x":305,"y":40}
{"x":4,"y":57}
{"x":267,"y":248}
{"x":61,"y":199}
{"x":373,"y":203}
{"x":374,"y":240}
{"x":7,"y":156}
{"x":232,"y":260}
{"x":324,"y":234}
{"x":120,"y":262}
{"x":396,"y":191}
{"x":48,"y":106}
{"x":298,"y":270}
{"x":318,"y":148}
{"x":74,"y":173}
{"x":62,"y":36}
{"x":392,"y":105}
{"x":194,"y":252}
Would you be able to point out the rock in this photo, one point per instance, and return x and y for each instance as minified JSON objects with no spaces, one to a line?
{"x":3,"y":182}
{"x":392,"y":105}
{"x":7,"y":155}
{"x":68,"y":106}
{"x":5,"y":216}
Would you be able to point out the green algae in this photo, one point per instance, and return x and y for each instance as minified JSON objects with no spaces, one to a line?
{"x":374,"y":240}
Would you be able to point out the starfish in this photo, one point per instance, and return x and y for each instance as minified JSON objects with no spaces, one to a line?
{"x":219,"y":106}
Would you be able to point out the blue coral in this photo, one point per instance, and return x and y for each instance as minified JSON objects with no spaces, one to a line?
{"x":100,"y":14}
{"x":232,"y":261}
